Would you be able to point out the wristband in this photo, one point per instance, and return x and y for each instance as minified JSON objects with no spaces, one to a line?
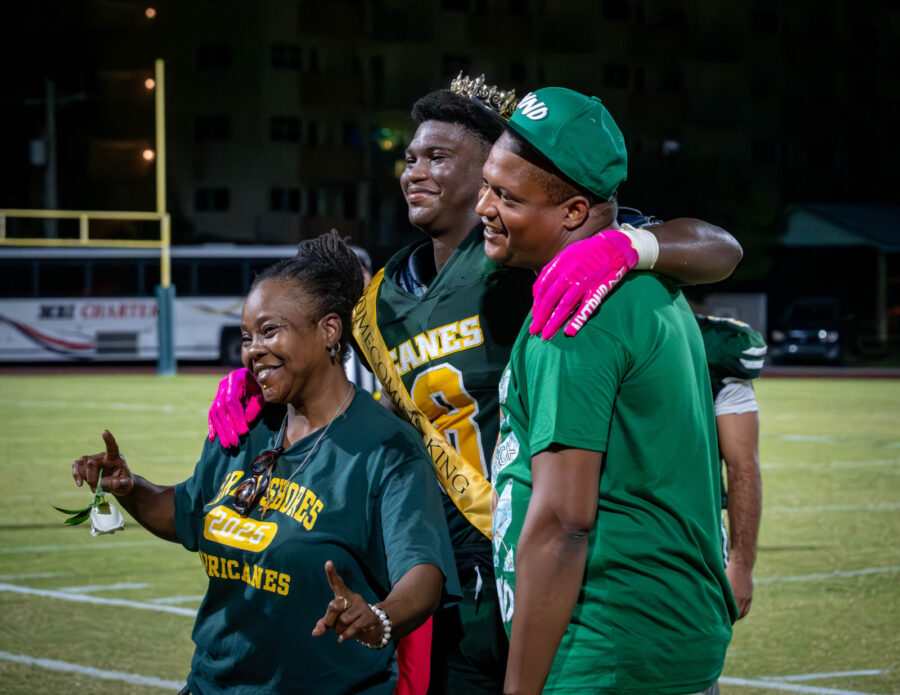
{"x":646,"y":245}
{"x":385,"y":629}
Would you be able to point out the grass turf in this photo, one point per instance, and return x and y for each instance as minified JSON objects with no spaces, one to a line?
{"x":831,"y":478}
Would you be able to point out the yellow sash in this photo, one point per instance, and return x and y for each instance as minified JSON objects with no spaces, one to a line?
{"x":465,"y":484}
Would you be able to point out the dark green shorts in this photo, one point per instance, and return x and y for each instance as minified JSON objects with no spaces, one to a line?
{"x":469,"y":646}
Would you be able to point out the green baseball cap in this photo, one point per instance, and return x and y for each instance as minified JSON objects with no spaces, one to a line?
{"x":577,"y":134}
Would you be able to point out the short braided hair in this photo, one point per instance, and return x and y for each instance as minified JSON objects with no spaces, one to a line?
{"x":328,"y":270}
{"x":449,"y":107}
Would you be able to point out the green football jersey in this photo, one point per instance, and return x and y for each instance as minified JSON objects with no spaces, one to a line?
{"x":365,"y":499}
{"x":655,"y":610}
{"x":733,"y":350}
{"x":450,"y":347}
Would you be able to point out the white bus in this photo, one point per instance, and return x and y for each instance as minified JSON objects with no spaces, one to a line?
{"x":98,"y":304}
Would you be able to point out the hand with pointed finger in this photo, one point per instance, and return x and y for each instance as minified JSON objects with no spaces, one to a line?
{"x":348,"y":614}
{"x":117,"y":478}
{"x":238,"y":402}
{"x":571,"y":287}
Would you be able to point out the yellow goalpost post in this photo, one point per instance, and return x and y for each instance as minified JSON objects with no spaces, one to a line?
{"x":165,"y":291}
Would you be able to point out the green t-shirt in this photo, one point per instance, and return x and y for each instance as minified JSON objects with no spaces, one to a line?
{"x":733,"y":350}
{"x":366,"y":499}
{"x":655,"y":611}
{"x":450,"y":346}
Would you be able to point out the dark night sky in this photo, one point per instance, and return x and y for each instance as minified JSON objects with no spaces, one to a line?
{"x":837,"y":93}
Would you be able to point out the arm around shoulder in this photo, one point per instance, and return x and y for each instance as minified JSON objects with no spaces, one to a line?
{"x":695,"y":252}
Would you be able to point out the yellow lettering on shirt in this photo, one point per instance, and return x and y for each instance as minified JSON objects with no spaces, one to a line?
{"x":291,"y":498}
{"x":408,"y":358}
{"x":308,"y":499}
{"x":225,"y":526}
{"x":470,"y":332}
{"x":284,"y":583}
{"x":256,"y":579}
{"x":261,"y":578}
{"x":275,"y":498}
{"x":227,"y":487}
{"x":310,"y":519}
{"x":438,"y":342}
{"x":449,"y":338}
{"x":428,"y":346}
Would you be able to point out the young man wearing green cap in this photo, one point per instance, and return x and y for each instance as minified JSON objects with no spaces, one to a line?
{"x":607,"y":537}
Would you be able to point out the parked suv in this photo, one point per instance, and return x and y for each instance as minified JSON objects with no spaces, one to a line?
{"x":814,"y":329}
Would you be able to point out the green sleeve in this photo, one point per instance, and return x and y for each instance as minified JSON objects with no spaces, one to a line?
{"x":412,"y":518}
{"x":572,"y":388}
{"x":189,"y":496}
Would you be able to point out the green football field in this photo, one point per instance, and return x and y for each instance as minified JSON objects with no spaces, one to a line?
{"x":113,"y":614}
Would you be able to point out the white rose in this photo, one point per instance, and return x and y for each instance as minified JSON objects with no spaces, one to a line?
{"x":110,"y":522}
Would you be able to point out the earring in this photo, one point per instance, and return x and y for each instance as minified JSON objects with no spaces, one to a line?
{"x":334,"y":350}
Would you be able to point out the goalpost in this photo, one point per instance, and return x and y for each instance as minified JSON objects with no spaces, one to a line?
{"x":165,"y":291}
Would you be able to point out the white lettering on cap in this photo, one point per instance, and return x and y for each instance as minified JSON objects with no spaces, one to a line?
{"x":531,"y":108}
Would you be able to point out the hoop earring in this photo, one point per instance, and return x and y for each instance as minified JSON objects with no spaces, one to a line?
{"x":334,"y":350}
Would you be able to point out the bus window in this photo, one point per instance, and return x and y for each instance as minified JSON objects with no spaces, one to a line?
{"x":220,"y":278}
{"x":184,"y":277}
{"x":17,"y":278}
{"x":257,"y":265}
{"x":62,"y":279}
{"x":117,"y":279}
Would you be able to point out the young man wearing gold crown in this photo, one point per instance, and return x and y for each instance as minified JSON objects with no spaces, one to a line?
{"x":607,"y":540}
{"x":437,"y":325}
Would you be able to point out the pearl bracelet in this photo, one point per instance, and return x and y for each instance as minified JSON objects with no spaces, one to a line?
{"x":385,"y":628}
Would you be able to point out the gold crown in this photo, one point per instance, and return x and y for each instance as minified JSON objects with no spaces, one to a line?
{"x":503,"y":103}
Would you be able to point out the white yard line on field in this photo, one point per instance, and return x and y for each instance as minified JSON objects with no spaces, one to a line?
{"x":33,"y":575}
{"x":875,"y":463}
{"x":823,"y":438}
{"x":115,"y":545}
{"x":176,"y":599}
{"x":828,"y":575}
{"x":102,"y":587}
{"x":788,"y":687}
{"x":815,"y":509}
{"x":131,"y":678}
{"x":92,"y":405}
{"x":819,"y":676}
{"x":81,"y":598}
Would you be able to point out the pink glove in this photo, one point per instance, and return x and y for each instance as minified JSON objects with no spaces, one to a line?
{"x":237,"y":403}
{"x":581,"y":275}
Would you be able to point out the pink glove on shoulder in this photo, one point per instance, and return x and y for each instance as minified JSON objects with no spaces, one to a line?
{"x":572,"y":285}
{"x":238,"y":402}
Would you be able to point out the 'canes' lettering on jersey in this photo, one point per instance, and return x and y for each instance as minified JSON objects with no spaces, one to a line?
{"x":438,"y":342}
{"x":450,"y":347}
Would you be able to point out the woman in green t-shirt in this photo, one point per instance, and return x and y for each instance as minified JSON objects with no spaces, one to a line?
{"x":324,"y":518}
